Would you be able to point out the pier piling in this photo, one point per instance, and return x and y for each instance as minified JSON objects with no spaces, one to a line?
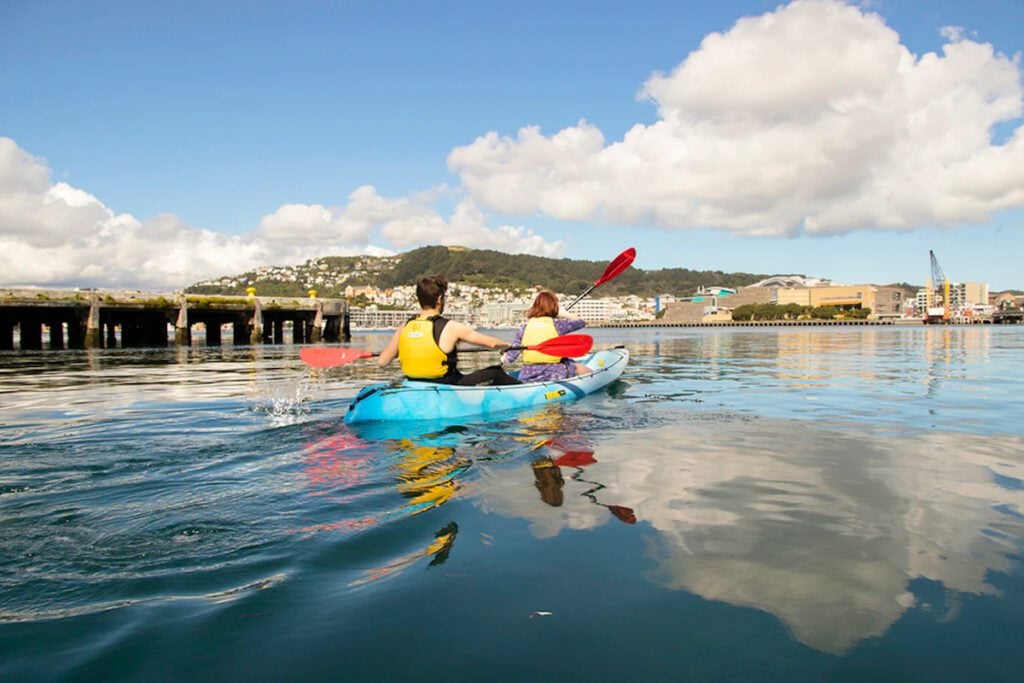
{"x":318,"y":323}
{"x":93,"y":330}
{"x":182,"y":331}
{"x":256,"y":336}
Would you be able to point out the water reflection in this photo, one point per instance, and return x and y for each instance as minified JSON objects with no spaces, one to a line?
{"x":358,"y":476}
{"x":824,"y":529}
{"x":561,"y":465}
{"x":437,"y":549}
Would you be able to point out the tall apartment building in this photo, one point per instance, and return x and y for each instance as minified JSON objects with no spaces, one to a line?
{"x":962,"y":295}
{"x":967,"y":294}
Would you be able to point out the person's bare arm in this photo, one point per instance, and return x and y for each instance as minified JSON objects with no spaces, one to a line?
{"x":391,"y":350}
{"x":467,"y":334}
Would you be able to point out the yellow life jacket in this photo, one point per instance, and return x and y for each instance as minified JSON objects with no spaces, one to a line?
{"x":539,"y":330}
{"x":418,"y":351}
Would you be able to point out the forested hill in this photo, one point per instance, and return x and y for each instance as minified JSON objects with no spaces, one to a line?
{"x":481,"y":267}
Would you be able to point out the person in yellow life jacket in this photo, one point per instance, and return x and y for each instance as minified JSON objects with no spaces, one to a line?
{"x":542,"y":323}
{"x":426,"y":345}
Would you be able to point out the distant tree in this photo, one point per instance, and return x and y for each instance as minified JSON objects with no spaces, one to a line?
{"x":824,"y":312}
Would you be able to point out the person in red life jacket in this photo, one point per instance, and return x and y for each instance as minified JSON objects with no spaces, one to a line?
{"x":542,"y":324}
{"x":426,"y":345}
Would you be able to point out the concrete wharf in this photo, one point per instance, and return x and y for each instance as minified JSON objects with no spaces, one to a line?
{"x":111,"y":318}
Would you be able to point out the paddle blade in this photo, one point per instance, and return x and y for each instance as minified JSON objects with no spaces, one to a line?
{"x":576,"y":459}
{"x":322,"y":357}
{"x":566,"y":346}
{"x":622,"y":513}
{"x":619,"y":264}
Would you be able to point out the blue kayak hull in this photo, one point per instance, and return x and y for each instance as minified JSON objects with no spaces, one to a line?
{"x":411,"y":400}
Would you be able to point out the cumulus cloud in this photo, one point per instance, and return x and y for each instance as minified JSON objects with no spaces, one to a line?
{"x":813,"y":118}
{"x":403,"y":222}
{"x":58,"y":235}
{"x":467,"y":226}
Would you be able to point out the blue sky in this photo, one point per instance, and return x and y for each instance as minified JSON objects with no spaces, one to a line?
{"x":151,"y":145}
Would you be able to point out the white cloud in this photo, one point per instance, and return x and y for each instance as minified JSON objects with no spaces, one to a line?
{"x":59,"y":235}
{"x":403,"y":222}
{"x":813,"y":117}
{"x":411,"y":224}
{"x":952,"y":33}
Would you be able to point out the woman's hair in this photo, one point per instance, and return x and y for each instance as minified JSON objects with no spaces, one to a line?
{"x":545,"y":304}
{"x":430,"y":289}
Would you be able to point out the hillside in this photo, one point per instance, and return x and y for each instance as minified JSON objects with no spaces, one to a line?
{"x":481,"y":267}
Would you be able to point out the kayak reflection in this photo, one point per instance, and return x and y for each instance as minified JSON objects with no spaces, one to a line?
{"x":439,"y":549}
{"x":427,"y":475}
{"x":357,"y":474}
{"x":351,"y":473}
{"x":346,"y":468}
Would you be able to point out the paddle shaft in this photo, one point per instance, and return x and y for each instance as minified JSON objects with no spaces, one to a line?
{"x":577,"y":299}
{"x":616,"y":267}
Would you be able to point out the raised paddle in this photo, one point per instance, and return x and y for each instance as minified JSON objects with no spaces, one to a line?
{"x":566,"y":346}
{"x":614,"y":269}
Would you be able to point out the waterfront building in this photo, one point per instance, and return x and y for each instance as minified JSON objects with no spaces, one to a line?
{"x":883,"y":301}
{"x":967,"y":295}
{"x":921,"y":302}
{"x":714,"y":309}
{"x":712,"y":291}
{"x":593,"y":310}
{"x":1005,"y":300}
{"x":502,"y":313}
{"x":368,"y":318}
{"x":963,"y":297}
{"x":662,"y":301}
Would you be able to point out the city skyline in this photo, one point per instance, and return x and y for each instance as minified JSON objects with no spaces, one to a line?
{"x":155,"y":147}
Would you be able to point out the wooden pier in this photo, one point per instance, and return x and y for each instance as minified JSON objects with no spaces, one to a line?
{"x":108,"y":319}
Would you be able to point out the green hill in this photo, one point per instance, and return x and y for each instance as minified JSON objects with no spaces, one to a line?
{"x":480,"y":267}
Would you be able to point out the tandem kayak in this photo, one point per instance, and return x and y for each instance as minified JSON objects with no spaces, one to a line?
{"x":412,"y":400}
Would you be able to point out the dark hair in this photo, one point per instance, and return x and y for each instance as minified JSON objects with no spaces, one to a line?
{"x":430,"y":289}
{"x":545,"y":304}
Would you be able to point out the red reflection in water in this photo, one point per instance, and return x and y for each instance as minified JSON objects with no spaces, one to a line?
{"x":337,"y":462}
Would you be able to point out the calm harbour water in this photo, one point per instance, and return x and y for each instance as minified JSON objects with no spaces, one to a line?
{"x":745,"y":504}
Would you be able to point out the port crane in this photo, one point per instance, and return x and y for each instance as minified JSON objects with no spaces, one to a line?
{"x":936,"y":293}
